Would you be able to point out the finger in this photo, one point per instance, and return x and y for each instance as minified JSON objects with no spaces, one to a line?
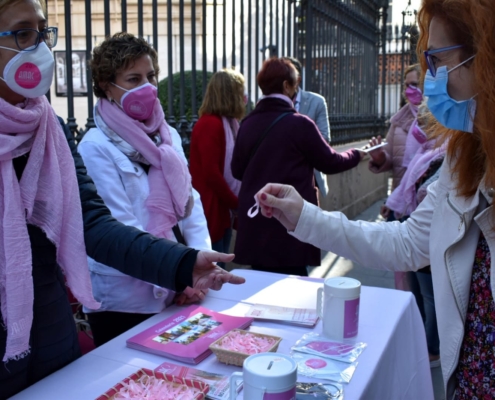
{"x":213,"y":256}
{"x":270,"y":201}
{"x":180,"y":299}
{"x":229,"y":278}
{"x":271,"y":188}
{"x":236,"y":280}
{"x":266,"y":211}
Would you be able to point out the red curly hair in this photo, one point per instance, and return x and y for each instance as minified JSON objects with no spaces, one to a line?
{"x":472,"y":24}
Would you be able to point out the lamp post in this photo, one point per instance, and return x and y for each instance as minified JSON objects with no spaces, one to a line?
{"x":405,"y":13}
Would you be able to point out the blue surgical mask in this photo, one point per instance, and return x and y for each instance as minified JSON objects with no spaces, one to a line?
{"x":452,"y":114}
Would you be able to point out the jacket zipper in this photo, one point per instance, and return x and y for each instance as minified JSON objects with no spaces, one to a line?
{"x":461,"y":216}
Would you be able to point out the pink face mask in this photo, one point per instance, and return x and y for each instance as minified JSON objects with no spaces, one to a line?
{"x":138,"y":103}
{"x":414,"y":95}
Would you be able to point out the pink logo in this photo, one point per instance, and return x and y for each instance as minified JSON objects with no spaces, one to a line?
{"x":316,"y":363}
{"x":28,"y":76}
{"x":137,"y":108}
{"x":330,"y":348}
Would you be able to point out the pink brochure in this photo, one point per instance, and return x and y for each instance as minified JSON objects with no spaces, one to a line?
{"x":186,"y":335}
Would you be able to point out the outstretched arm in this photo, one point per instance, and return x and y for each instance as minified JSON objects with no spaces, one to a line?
{"x":137,"y":253}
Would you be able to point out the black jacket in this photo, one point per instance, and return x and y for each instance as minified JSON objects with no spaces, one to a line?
{"x":53,"y":337}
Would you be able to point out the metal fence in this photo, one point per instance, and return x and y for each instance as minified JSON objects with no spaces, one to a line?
{"x":397,"y":53}
{"x":339,"y":42}
{"x":339,"y":45}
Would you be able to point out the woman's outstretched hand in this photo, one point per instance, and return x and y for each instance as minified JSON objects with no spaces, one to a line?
{"x":207,"y":275}
{"x":282,"y":202}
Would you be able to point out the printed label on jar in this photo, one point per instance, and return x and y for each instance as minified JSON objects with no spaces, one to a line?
{"x":351,"y":318}
{"x":287,"y":395}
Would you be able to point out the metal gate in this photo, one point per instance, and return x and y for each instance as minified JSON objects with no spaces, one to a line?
{"x":340,"y":43}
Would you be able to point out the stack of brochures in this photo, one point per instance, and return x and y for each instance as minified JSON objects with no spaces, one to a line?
{"x":187,"y":335}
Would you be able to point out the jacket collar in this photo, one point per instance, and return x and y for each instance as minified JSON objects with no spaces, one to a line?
{"x":270,"y":104}
{"x":403,"y":118}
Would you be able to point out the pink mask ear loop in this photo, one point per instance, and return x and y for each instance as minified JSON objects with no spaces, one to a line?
{"x":254,"y":210}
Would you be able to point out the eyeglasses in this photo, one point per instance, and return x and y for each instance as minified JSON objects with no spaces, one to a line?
{"x":29,"y":39}
{"x":429,"y":59}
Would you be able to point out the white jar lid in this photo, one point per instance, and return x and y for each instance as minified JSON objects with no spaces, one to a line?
{"x":272,"y":371}
{"x":343,"y":286}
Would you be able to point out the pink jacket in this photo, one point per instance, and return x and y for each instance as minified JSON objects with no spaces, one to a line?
{"x":394,"y":150}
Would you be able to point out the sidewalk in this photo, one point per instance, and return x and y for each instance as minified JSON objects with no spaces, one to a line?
{"x":333,"y":265}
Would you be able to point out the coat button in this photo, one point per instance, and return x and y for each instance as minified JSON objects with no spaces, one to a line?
{"x":135,"y":169}
{"x":490,"y":192}
{"x":159,"y":294}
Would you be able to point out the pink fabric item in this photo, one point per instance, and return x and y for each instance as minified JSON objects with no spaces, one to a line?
{"x":403,"y":199}
{"x":151,"y":388}
{"x":412,"y":144}
{"x":230,"y":136}
{"x":169,"y":178}
{"x":47,"y":196}
{"x":246,"y":343}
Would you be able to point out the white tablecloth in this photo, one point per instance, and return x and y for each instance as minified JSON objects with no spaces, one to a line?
{"x":394,"y":366}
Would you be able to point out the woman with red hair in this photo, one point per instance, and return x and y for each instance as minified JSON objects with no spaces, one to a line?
{"x":277,"y":144}
{"x":453,"y":228}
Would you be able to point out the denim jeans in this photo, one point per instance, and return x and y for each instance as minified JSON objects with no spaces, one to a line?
{"x":223,"y":245}
{"x":426,"y":287}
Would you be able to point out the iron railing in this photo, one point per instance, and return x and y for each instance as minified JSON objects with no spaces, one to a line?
{"x":339,"y":42}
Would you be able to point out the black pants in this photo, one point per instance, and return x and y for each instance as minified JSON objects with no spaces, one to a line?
{"x":301,"y":271}
{"x":107,"y":325}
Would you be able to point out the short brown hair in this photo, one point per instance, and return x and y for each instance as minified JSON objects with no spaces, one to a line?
{"x":116,"y":54}
{"x":224,"y":95}
{"x":273,"y":74}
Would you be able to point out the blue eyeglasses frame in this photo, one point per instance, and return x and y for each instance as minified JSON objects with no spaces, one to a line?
{"x":428,"y":53}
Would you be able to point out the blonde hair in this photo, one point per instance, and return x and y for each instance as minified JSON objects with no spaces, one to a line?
{"x":224,"y":95}
{"x":7,"y":3}
{"x":411,"y":68}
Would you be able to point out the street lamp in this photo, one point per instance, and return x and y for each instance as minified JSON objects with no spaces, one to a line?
{"x":405,"y":13}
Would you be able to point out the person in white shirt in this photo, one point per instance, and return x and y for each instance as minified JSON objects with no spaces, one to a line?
{"x":139,"y":168}
{"x":453,"y":228}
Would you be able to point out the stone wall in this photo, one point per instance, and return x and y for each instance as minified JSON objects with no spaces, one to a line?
{"x":353,"y":191}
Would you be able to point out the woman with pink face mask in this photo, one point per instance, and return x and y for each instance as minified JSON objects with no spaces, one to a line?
{"x":391,"y":157}
{"x":396,"y":155}
{"x":52,"y":216}
{"x":138,"y":165}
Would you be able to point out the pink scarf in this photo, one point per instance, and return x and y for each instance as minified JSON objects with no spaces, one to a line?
{"x":46,"y":196}
{"x":230,"y":136}
{"x":412,"y":144}
{"x":169,"y":179}
{"x":403,"y":199}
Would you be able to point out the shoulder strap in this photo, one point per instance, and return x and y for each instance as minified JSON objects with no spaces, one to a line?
{"x":178,"y":235}
{"x":265,"y":134}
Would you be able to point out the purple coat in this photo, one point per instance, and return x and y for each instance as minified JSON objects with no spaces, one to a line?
{"x":290,"y":152}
